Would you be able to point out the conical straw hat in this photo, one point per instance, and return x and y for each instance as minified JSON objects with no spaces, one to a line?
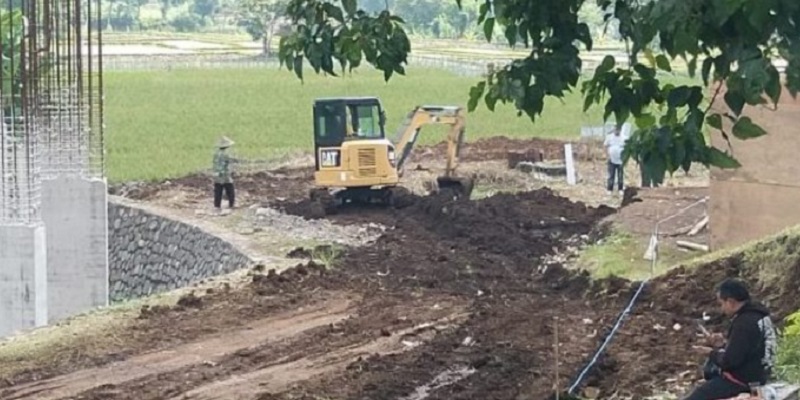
{"x":224,"y":142}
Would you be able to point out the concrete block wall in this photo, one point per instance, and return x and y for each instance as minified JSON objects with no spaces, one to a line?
{"x":23,"y":278}
{"x":75,"y":212}
{"x":151,"y":253}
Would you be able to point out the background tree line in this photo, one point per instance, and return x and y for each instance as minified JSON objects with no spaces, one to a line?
{"x":263,"y":19}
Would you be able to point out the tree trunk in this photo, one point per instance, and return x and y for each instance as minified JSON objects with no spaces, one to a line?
{"x":267,"y":39}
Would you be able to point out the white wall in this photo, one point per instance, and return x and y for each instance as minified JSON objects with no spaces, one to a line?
{"x":23,"y":278}
{"x":75,"y":211}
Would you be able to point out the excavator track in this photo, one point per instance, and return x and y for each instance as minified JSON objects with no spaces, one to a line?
{"x":324,"y":202}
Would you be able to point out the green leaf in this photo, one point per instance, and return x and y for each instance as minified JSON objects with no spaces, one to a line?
{"x":679,"y":96}
{"x":706,"y":71}
{"x":605,"y":66}
{"x":334,"y":12}
{"x":793,"y":76}
{"x":678,"y":155}
{"x":644,"y":72}
{"x":735,"y":102}
{"x":645,"y":121}
{"x":715,"y":121}
{"x":663,"y":63}
{"x":773,"y":86}
{"x":511,"y":34}
{"x":746,"y":129}
{"x":298,"y":66}
{"x":720,"y":159}
{"x":350,"y":6}
{"x":491,"y":100}
{"x":475,"y":94}
{"x":695,"y":96}
{"x":692,"y":67}
{"x":488,"y":28}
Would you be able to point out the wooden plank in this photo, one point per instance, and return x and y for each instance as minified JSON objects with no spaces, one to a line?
{"x":691,"y":246}
{"x":700,"y":225}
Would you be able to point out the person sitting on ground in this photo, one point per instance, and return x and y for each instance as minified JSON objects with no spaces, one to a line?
{"x":748,"y":355}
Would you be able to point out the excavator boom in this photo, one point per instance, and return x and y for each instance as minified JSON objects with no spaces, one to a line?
{"x":408,"y":133}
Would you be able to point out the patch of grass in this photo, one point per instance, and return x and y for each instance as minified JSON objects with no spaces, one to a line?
{"x":621,"y":254}
{"x":163,"y":124}
{"x":86,"y":335}
{"x":788,"y":361}
{"x":328,"y":256}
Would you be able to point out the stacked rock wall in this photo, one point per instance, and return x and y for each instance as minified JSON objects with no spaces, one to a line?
{"x":150,"y":253}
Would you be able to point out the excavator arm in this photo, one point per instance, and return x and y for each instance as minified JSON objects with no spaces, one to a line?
{"x":441,"y":115}
{"x":426,"y":115}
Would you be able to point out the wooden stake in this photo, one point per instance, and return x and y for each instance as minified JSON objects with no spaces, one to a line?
{"x":555,"y":324}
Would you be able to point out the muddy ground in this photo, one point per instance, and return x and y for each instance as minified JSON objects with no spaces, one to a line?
{"x":453,"y":303}
{"x":455,"y":300}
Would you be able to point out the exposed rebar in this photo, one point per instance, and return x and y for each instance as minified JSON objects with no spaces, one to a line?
{"x":50,"y":99}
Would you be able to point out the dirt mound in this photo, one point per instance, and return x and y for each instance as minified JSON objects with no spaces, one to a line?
{"x":493,"y":148}
{"x":486,"y":251}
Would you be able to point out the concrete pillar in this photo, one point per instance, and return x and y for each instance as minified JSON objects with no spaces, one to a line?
{"x":75,"y":211}
{"x":23,"y":277}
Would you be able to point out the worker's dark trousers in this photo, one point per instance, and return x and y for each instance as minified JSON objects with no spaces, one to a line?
{"x":228,"y":188}
{"x":715,"y":389}
{"x":614,"y":170}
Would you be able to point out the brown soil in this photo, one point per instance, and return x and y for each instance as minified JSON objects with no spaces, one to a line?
{"x":653,"y":204}
{"x":257,"y":187}
{"x":293,"y":184}
{"x":454,"y":289}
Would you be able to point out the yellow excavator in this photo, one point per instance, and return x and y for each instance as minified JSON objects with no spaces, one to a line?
{"x":355,"y":162}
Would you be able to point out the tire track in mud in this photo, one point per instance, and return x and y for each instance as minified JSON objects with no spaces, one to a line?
{"x":207,"y":350}
{"x":385,"y":324}
{"x":279,"y":377}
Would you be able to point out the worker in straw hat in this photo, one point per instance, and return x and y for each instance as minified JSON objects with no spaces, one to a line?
{"x":223,"y":176}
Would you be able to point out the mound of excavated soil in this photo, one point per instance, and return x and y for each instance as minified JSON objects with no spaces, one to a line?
{"x":488,"y":250}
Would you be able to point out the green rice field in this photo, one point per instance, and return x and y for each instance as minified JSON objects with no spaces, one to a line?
{"x":163,"y":124}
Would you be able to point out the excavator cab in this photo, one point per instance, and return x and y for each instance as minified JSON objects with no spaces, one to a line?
{"x":350,"y":145}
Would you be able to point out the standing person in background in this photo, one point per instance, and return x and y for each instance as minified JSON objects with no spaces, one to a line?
{"x":614,"y":143}
{"x":223,"y":174}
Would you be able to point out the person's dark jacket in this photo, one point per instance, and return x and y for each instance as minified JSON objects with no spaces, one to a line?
{"x":751,"y":343}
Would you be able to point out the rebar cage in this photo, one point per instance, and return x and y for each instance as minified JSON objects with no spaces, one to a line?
{"x":51,"y":99}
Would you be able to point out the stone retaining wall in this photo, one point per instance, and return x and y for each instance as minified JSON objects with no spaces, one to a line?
{"x":150,"y":254}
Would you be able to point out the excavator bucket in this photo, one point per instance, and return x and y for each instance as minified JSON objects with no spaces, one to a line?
{"x":461,"y":187}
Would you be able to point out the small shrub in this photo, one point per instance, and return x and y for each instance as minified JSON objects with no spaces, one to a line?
{"x":788,"y":360}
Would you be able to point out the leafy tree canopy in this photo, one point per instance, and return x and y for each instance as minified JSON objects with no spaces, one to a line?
{"x":727,"y":41}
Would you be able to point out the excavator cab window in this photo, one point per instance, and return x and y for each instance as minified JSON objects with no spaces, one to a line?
{"x":329,"y":124}
{"x":365,"y":121}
